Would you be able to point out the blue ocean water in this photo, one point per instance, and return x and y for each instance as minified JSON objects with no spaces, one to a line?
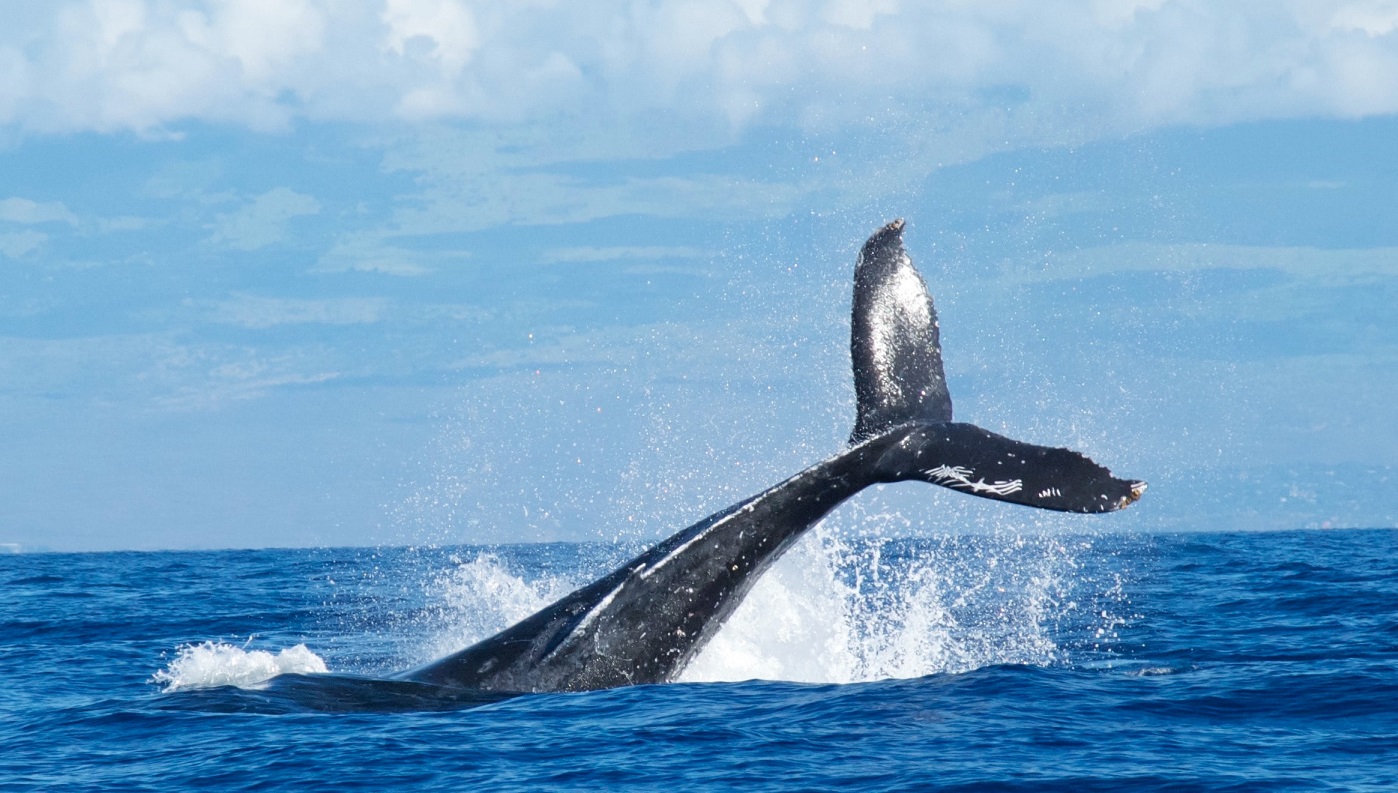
{"x":1210,"y":661}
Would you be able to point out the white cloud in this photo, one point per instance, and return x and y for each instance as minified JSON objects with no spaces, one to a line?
{"x":615,"y":253}
{"x":263,"y":221}
{"x":1117,"y":65}
{"x":127,"y":223}
{"x":858,"y":14}
{"x":265,"y":37}
{"x":109,"y":65}
{"x":446,"y":27}
{"x":367,"y":253}
{"x":387,"y":260}
{"x":22,"y":210}
{"x":14,"y":82}
{"x":252,"y":311}
{"x":19,"y":243}
{"x":160,"y":369}
{"x":208,"y":377}
{"x":1373,"y":18}
{"x":1319,"y":267}
{"x":448,"y":204}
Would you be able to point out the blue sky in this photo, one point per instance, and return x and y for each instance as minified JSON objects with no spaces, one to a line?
{"x":299,"y":273}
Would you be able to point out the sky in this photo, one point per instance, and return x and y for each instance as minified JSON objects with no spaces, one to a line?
{"x":309,"y":272}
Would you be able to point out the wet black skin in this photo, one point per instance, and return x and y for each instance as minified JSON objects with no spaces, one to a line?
{"x":664,"y":604}
{"x":646,"y":620}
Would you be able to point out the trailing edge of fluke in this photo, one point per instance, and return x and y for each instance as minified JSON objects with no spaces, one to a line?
{"x":643,"y":622}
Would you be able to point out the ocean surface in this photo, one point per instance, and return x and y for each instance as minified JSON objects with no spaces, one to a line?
{"x":1002,"y":661}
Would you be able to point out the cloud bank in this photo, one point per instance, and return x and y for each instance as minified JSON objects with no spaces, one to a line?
{"x":725,"y":65}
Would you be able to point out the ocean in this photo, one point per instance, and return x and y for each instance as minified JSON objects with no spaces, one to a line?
{"x":992,"y":661}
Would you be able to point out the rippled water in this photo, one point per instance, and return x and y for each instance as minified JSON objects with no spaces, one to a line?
{"x":1203,"y":661}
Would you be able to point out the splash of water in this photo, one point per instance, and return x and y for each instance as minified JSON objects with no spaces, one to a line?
{"x":213,"y":664}
{"x":480,"y":597}
{"x":831,"y":611}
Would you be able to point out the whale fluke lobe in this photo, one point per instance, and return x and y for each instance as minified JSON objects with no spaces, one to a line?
{"x":895,"y":341}
{"x":644,"y":621}
{"x":969,"y":459}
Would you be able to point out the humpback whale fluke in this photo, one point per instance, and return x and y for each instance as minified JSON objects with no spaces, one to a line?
{"x":644,"y":621}
{"x":895,"y":343}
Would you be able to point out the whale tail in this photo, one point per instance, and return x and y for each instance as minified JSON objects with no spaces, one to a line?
{"x":895,"y":348}
{"x":645,"y":620}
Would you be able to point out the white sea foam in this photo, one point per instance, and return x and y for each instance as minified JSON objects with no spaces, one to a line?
{"x":213,"y":664}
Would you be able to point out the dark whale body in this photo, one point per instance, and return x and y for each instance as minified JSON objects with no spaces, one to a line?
{"x":643,"y":622}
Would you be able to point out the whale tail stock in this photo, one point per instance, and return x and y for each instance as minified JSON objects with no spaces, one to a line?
{"x":895,"y":349}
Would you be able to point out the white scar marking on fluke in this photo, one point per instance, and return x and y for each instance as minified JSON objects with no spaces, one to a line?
{"x":746,"y":508}
{"x":961,"y":477}
{"x":655,"y":568}
{"x":643,"y":572}
{"x":594,"y":612}
{"x":1050,"y":491}
{"x":588,"y":618}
